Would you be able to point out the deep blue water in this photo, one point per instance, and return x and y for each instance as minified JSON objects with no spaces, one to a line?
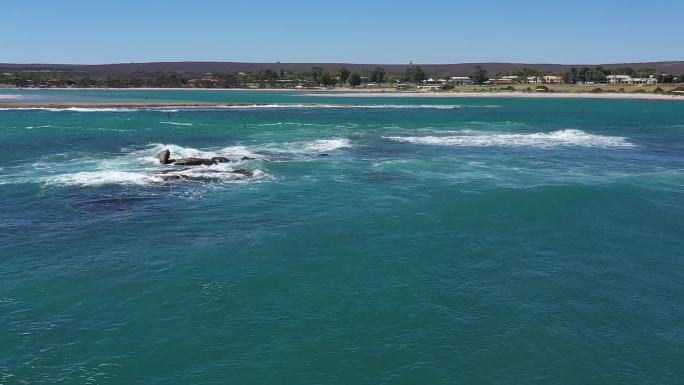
{"x":387,"y":241}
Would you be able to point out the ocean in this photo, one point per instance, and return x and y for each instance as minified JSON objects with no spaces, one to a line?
{"x":377,"y":241}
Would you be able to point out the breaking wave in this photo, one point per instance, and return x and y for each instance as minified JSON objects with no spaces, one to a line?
{"x":560,"y":138}
{"x":95,"y":178}
{"x":326,"y":145}
{"x":139,"y":167}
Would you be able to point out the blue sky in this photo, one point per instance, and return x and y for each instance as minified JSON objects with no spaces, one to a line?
{"x":428,"y":31}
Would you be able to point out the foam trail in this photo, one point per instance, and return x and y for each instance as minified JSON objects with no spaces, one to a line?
{"x":539,"y":139}
{"x":176,"y":123}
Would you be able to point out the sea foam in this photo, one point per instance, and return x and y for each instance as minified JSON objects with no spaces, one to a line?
{"x":96,"y":178}
{"x":560,"y":138}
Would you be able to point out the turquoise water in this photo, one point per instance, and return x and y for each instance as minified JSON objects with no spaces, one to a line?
{"x":387,"y":241}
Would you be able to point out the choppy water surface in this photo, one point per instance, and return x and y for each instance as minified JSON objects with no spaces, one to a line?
{"x":377,"y":241}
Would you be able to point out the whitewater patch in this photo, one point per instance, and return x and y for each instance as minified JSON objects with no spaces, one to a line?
{"x":341,"y":106}
{"x":562,"y":138}
{"x":138,"y":165}
{"x":148,"y":154}
{"x":303,"y":148}
{"x":326,"y":145}
{"x":98,"y":178}
{"x":149,"y":176}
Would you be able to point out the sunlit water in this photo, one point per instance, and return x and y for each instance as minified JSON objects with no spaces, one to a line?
{"x":381,"y":241}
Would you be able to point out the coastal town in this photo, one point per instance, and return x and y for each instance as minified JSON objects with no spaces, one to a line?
{"x":413,"y":78}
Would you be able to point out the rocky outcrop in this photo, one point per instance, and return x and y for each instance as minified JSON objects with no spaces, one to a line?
{"x":164,"y":157}
{"x":195,"y":162}
{"x":243,"y":171}
{"x":201,"y":161}
{"x":220,"y":159}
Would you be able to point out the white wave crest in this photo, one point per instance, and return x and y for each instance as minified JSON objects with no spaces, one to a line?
{"x":304,"y":148}
{"x":189,"y":152}
{"x":327,"y":145}
{"x":338,"y":106}
{"x":560,"y":138}
{"x":97,"y":178}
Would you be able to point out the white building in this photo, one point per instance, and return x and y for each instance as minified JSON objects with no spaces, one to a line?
{"x":619,"y":79}
{"x":553,"y":79}
{"x":626,"y":79}
{"x":461,"y":80}
{"x":429,"y":87}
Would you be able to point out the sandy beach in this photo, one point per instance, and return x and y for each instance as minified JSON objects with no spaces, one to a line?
{"x":583,"y":95}
{"x":10,"y":100}
{"x":65,"y":105}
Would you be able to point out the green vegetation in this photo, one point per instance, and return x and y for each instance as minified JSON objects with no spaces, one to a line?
{"x":354,"y":80}
{"x":479,"y":76}
{"x":377,"y":76}
{"x":415,"y":75}
{"x":343,"y":75}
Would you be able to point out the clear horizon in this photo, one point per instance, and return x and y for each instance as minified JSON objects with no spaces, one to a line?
{"x":382,"y":32}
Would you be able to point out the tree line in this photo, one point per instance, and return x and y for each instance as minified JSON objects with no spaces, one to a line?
{"x":316,"y":77}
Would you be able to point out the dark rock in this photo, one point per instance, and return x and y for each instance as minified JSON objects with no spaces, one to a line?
{"x":323,"y":154}
{"x":247,"y":158}
{"x":172,"y":170}
{"x":220,"y":159}
{"x":195,"y":162}
{"x":173,"y":177}
{"x":243,"y":171}
{"x":164,"y":157}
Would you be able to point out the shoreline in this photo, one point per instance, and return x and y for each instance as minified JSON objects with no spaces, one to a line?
{"x":512,"y":94}
{"x":323,"y":92}
{"x":20,"y":106}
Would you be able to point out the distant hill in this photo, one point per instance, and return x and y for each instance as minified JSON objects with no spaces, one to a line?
{"x":460,"y":69}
